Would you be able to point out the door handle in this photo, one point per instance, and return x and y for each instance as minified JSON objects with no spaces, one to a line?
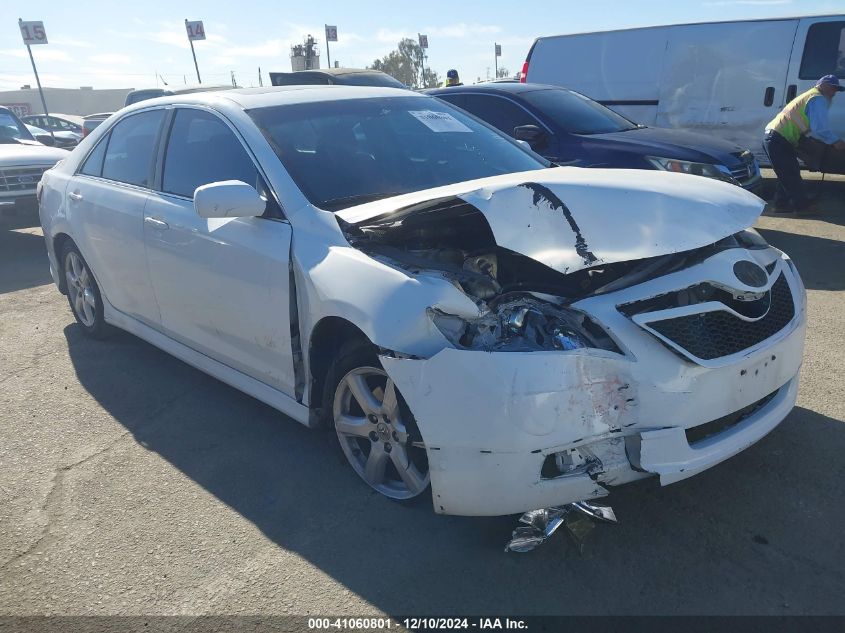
{"x":159,"y":225}
{"x":791,"y":91}
{"x":76,"y":197}
{"x":769,"y":96}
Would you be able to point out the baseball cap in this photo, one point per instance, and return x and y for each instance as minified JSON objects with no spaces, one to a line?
{"x":830,"y":80}
{"x":453,"y":74}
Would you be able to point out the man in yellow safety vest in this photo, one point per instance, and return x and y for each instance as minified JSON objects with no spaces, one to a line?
{"x":805,"y":115}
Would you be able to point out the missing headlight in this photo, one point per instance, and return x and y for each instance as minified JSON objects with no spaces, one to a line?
{"x":523,"y":323}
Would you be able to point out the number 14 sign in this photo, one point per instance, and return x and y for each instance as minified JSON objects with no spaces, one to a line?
{"x":33,"y":33}
{"x":196,"y":31}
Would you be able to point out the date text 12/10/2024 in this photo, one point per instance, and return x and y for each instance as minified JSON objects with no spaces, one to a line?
{"x":416,"y":623}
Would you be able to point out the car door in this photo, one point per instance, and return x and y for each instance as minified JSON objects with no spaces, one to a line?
{"x":820,"y":50}
{"x":222,"y":284}
{"x":105,"y":206}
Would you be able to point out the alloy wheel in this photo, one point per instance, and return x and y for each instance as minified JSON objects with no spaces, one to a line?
{"x":374,"y":436}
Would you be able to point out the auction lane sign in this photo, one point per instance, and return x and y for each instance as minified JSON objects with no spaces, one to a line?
{"x":33,"y":32}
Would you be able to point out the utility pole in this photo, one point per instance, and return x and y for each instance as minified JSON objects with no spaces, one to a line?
{"x":33,"y":33}
{"x":196,"y":31}
{"x":423,"y":40}
{"x":497,"y":52}
{"x":260,"y":81}
{"x":331,"y":36}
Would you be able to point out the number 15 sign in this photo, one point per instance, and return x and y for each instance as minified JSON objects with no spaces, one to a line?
{"x":33,"y":33}
{"x":196,"y":31}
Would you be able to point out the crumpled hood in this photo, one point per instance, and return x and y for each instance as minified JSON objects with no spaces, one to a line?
{"x":570,"y":218}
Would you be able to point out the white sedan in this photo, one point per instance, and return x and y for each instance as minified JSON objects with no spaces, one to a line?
{"x":477,"y":328}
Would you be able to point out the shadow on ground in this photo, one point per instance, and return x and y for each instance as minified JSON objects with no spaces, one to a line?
{"x":820,"y":260}
{"x":25,"y":262}
{"x":733,"y":540}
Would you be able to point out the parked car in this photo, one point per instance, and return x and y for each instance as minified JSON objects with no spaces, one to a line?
{"x":466,"y":319}
{"x":336,"y":76}
{"x":724,"y":79}
{"x":66,"y":129}
{"x":152,"y":93}
{"x":92,"y":121}
{"x":42,"y":136}
{"x":22,"y":162}
{"x":570,"y":129}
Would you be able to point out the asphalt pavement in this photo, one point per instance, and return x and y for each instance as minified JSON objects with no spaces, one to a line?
{"x":131,"y":483}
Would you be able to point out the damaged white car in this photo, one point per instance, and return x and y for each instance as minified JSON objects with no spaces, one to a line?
{"x":469,"y":321}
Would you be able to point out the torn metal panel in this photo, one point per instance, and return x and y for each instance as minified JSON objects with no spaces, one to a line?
{"x":543,"y":523}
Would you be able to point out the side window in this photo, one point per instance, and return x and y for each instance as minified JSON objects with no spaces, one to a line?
{"x":131,"y":147}
{"x":454,"y":99}
{"x":498,"y":112}
{"x":93,"y":165}
{"x":824,"y":51}
{"x":202,"y":149}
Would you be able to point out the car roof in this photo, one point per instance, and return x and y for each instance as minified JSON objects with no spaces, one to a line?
{"x":249,"y":98}
{"x":98,"y":115}
{"x":337,"y":71}
{"x":501,"y":87}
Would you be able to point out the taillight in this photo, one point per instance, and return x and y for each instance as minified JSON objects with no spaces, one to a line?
{"x":523,"y":76}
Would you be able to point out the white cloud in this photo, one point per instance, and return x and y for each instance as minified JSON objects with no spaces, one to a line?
{"x":462,"y":30}
{"x":39,"y":53}
{"x":110,"y":59}
{"x":723,"y":3}
{"x":68,"y":41}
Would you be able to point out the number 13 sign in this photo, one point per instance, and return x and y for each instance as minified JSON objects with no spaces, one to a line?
{"x":196,"y":31}
{"x":33,"y":33}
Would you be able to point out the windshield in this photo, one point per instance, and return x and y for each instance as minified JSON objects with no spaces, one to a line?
{"x":11,"y":129}
{"x":576,"y":113}
{"x":343,"y":153}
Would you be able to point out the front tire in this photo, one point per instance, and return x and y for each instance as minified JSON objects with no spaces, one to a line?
{"x":375,"y":428}
{"x":83,"y":293}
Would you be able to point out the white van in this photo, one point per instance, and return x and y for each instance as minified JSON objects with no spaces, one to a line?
{"x":728,"y":79}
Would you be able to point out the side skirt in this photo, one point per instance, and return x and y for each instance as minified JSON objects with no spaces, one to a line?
{"x":232,"y":377}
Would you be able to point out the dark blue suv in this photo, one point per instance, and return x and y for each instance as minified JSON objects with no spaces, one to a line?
{"x":570,"y":129}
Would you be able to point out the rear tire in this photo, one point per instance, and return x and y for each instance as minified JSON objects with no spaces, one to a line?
{"x":83,"y":293}
{"x":374,"y":427}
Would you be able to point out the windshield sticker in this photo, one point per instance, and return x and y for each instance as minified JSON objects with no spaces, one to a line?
{"x":439,"y":121}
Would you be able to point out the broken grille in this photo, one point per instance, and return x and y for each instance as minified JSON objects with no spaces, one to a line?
{"x":22,"y":179}
{"x":701,"y":432}
{"x":719,"y":333}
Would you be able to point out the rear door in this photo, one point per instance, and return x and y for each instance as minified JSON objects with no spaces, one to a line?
{"x":105,"y":202}
{"x":222,"y":284}
{"x":820,"y":50}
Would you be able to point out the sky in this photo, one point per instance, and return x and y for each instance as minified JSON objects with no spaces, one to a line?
{"x":137,"y":44}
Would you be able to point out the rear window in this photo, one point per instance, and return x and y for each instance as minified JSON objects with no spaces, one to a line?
{"x":824,"y":51}
{"x":575,"y":113}
{"x":131,"y":146}
{"x":343,"y":153}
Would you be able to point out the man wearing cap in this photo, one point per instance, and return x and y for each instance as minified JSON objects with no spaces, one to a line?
{"x":805,"y":115}
{"x":452,"y":78}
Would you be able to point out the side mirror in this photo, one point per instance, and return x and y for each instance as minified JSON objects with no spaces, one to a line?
{"x":228,"y":199}
{"x":531,"y":134}
{"x":45,"y":139}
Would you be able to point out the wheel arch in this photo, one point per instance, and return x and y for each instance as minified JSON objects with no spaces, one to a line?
{"x":59,"y":242}
{"x":327,"y":337}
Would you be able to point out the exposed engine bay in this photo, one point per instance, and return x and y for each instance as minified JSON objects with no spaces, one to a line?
{"x":523,"y":304}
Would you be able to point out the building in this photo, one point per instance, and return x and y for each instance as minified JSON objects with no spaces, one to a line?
{"x":305,"y":56}
{"x":79,"y":101}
